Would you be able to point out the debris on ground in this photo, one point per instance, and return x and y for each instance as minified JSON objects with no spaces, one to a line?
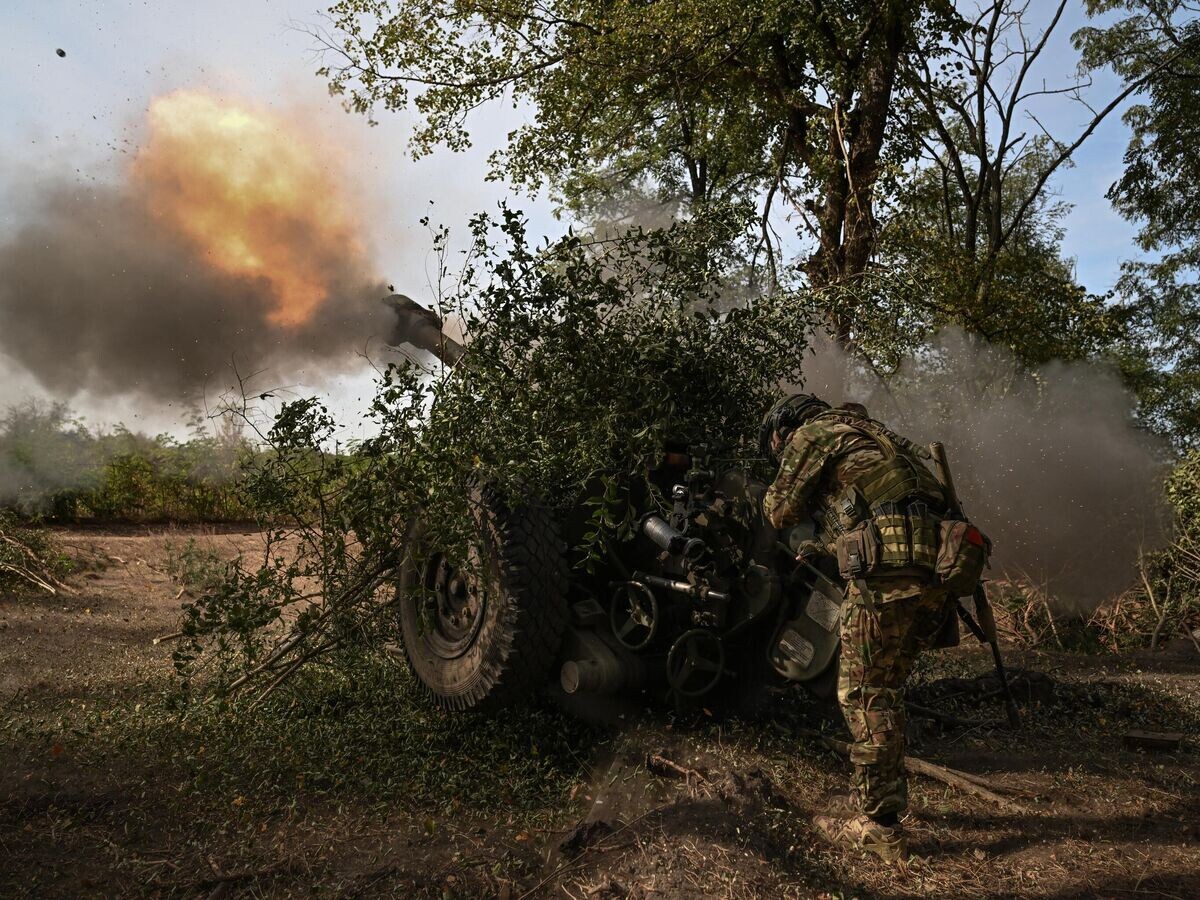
{"x":583,"y":836}
{"x":658,"y":764}
{"x":1152,"y":740}
{"x":723,"y":811}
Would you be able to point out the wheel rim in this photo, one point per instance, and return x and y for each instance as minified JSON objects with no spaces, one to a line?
{"x":451,"y":608}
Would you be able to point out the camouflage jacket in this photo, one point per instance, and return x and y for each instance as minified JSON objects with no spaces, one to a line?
{"x":821,"y":458}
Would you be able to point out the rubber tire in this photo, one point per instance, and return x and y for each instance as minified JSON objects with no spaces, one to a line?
{"x":510,"y":660}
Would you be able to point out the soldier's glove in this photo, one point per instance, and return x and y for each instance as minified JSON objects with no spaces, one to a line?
{"x":808,"y":551}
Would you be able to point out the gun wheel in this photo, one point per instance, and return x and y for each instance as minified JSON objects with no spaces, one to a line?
{"x":484,"y":633}
{"x":634,"y":615}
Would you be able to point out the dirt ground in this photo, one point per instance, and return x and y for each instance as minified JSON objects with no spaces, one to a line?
{"x":654,"y":809}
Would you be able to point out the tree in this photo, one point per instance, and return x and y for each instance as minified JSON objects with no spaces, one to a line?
{"x":929,"y":277}
{"x":972,"y":235}
{"x":993,"y":153}
{"x":1159,"y":190}
{"x":744,"y":105}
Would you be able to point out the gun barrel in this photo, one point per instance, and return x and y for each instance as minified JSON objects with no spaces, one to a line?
{"x":422,"y":328}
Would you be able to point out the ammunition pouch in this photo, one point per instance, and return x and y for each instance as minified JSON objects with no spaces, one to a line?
{"x":843,"y":515}
{"x":887,"y":521}
{"x":896,"y":539}
{"x":962,"y":556}
{"x":858,"y":552}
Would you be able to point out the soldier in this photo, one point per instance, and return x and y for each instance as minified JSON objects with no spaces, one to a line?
{"x":876,"y":507}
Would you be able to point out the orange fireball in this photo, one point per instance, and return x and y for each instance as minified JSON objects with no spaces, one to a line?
{"x":252,"y":193}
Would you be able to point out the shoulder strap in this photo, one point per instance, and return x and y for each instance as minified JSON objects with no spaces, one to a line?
{"x":887,"y":440}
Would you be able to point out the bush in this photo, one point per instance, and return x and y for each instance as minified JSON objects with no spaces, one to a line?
{"x":584,"y":358}
{"x":54,"y":467}
{"x":1183,"y":491}
{"x":28,"y":558}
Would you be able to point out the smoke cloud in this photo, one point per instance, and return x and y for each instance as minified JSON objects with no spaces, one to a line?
{"x":1047,"y":462}
{"x":230,"y":241}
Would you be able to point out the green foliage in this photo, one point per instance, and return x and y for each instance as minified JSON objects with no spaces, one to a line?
{"x":54,"y":467}
{"x":47,"y":459}
{"x":1160,"y":357}
{"x":1159,"y":185}
{"x":194,"y":567}
{"x":637,"y":108}
{"x":584,"y":359}
{"x":694,"y":98}
{"x":1177,"y":568}
{"x":616,"y":348}
{"x":1160,"y":191}
{"x":1023,"y":297}
{"x":660,"y":110}
{"x":1183,"y":491}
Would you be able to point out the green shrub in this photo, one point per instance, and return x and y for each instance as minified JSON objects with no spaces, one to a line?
{"x":584,"y":359}
{"x":54,"y":467}
{"x":1183,"y":491}
{"x":28,"y":558}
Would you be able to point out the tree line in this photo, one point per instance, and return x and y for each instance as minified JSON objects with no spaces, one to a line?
{"x":839,"y":141}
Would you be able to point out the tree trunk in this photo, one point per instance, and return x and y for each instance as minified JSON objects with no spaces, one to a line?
{"x":846,"y":220}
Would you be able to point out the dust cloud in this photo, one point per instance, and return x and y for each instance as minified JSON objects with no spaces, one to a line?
{"x":1048,"y":462}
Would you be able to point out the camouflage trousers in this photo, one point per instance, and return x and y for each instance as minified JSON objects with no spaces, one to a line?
{"x":880,"y":642}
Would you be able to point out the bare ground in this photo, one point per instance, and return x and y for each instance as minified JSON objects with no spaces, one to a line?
{"x":81,"y":814}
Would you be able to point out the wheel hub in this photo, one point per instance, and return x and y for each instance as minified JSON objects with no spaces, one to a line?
{"x":452,"y":609}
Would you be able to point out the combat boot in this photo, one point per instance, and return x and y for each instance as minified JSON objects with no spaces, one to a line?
{"x":864,"y":833}
{"x":842,"y":806}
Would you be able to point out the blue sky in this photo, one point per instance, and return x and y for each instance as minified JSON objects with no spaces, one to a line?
{"x":80,"y":115}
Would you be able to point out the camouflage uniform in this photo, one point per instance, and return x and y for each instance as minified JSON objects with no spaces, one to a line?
{"x":882,"y":635}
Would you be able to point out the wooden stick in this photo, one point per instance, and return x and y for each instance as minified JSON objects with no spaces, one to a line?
{"x":961,"y":780}
{"x":660,"y":765}
{"x":219,"y":876}
{"x":957,"y":779}
{"x":28,"y":576}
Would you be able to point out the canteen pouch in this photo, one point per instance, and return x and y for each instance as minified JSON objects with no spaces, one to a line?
{"x":963,"y":553}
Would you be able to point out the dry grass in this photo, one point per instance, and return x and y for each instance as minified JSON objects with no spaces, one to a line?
{"x":351,"y":787}
{"x":1163,"y":607}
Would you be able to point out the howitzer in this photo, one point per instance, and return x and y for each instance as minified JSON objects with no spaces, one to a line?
{"x":985,"y":629}
{"x":698,"y":600}
{"x":701,"y":601}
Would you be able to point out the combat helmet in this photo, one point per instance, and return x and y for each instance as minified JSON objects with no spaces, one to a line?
{"x":789,"y":413}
